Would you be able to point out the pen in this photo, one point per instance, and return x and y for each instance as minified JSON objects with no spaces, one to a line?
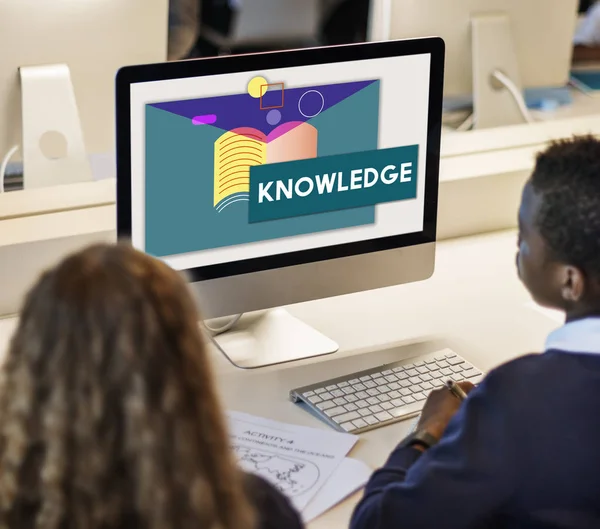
{"x":456,"y":390}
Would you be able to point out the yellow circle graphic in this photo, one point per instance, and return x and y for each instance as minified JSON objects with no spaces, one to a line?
{"x":254,"y":86}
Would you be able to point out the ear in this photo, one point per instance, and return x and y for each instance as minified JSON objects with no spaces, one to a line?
{"x":573,"y":284}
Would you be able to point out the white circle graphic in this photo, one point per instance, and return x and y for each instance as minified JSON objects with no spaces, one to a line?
{"x":300,"y":103}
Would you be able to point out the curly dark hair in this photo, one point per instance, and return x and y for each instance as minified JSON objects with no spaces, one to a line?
{"x":109,"y":417}
{"x":567,"y":179}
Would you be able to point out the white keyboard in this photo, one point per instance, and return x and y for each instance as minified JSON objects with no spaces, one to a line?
{"x":384,"y":395}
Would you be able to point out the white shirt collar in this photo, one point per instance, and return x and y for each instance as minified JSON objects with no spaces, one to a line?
{"x":579,"y":336}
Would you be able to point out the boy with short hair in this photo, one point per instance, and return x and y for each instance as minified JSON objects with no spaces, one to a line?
{"x":523,"y":449}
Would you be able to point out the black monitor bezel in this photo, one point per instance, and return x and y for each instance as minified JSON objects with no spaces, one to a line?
{"x":265,"y":61}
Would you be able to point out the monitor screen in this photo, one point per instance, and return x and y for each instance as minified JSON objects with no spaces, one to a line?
{"x":245,"y":165}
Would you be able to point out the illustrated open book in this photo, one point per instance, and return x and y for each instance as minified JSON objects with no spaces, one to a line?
{"x":239,"y":149}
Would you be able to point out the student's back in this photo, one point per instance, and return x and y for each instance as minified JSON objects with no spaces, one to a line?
{"x":108,"y":412}
{"x":521,"y":452}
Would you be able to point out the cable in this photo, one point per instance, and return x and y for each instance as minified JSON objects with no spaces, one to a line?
{"x":515,"y":93}
{"x":467,"y":124}
{"x":4,"y":165}
{"x":224,"y":328}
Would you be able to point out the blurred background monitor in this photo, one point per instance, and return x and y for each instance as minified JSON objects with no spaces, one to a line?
{"x":71,"y":51}
{"x":494,"y":48}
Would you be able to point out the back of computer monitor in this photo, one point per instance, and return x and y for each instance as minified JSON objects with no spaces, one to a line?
{"x":279,"y":178}
{"x":94,"y":39}
{"x":541,"y":30}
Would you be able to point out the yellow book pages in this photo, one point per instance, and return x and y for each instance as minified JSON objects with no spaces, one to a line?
{"x":235,"y":152}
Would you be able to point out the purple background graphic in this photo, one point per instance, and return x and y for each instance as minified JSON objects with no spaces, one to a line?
{"x":243,"y":110}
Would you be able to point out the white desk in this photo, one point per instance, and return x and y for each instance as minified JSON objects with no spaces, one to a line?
{"x":474,"y":303}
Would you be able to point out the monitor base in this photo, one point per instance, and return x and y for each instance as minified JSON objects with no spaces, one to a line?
{"x":270,"y":338}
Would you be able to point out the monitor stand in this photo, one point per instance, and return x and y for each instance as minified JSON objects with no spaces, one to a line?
{"x":272,"y":337}
{"x":495,"y":69}
{"x":53,"y":147}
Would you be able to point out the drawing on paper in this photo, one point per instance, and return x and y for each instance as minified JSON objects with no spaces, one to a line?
{"x":292,"y":476}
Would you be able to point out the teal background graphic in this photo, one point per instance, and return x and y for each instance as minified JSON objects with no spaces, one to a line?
{"x":351,"y":198}
{"x":179,"y":211}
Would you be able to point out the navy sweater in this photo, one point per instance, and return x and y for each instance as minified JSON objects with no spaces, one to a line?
{"x":522,"y":452}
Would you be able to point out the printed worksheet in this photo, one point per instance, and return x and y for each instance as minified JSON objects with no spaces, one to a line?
{"x":295,"y":459}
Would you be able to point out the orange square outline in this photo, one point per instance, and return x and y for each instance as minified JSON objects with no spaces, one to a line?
{"x":262,"y":95}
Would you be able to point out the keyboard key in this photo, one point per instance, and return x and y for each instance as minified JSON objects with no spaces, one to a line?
{"x":442,"y":364}
{"x":340,"y":401}
{"x":351,"y":398}
{"x":373,"y":392}
{"x":376,"y":409}
{"x":405,"y":392}
{"x":379,"y":381}
{"x":419,"y":363}
{"x":371,"y":420}
{"x":476,"y":379}
{"x":360,"y":387}
{"x":426,"y":377}
{"x":408,"y":400}
{"x":430,"y":361}
{"x":397,"y":403}
{"x":412,"y":372}
{"x":337,"y":393}
{"x":360,"y":423}
{"x":419,"y":396}
{"x":447,"y":372}
{"x":362,"y":404}
{"x":373,"y":400}
{"x":383,"y":398}
{"x":350,"y":416}
{"x":343,"y":384}
{"x":326,"y":396}
{"x":325,"y":405}
{"x":351,"y":407}
{"x":332,"y":412}
{"x":394,"y":394}
{"x":436,"y":373}
{"x":349,"y":390}
{"x":332,"y":387}
{"x":348,"y":426}
{"x":455,"y":361}
{"x":365,"y":378}
{"x":427,"y":386}
{"x":309,"y":394}
{"x":415,"y":381}
{"x":362,"y":395}
{"x":386,"y":405}
{"x":403,"y":375}
{"x":401,"y":411}
{"x":391,"y":378}
{"x":406,"y":384}
{"x":457,"y":369}
{"x":315,"y":399}
{"x":470,"y":373}
{"x":383,"y":416}
{"x":387,"y":372}
{"x":398,"y":370}
{"x":319,"y":391}
{"x":450,"y":355}
{"x":354,"y":381}
{"x":422,"y":370}
{"x":364,"y":412}
{"x":370,"y":384}
{"x":394,"y":386}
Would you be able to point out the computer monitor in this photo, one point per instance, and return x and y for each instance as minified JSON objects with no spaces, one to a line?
{"x":280,"y":178}
{"x":57,"y":71}
{"x":495,"y":48}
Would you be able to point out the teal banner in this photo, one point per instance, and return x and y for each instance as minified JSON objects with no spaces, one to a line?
{"x":332,"y":183}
